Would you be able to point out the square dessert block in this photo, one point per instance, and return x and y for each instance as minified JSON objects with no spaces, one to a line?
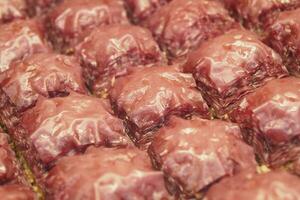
{"x":140,"y":10}
{"x":147,"y":97}
{"x":182,"y":25}
{"x":12,"y":9}
{"x":276,"y":185}
{"x":19,"y":39}
{"x":68,"y":125}
{"x":257,"y":13}
{"x":270,"y":120}
{"x":106,"y":174}
{"x":283,"y":35}
{"x":195,"y":153}
{"x":17,"y":192}
{"x":106,"y":55}
{"x":41,"y":75}
{"x":232,"y":65}
{"x":70,"y":21}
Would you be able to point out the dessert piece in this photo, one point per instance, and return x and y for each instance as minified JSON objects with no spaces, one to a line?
{"x":106,"y":55}
{"x":182,"y":25}
{"x":67,"y":125}
{"x":19,"y":39}
{"x":283,"y":35}
{"x":147,"y":97}
{"x":270,"y":120}
{"x":276,"y":185}
{"x":106,"y":174}
{"x":11,"y":10}
{"x":17,"y":192}
{"x":72,"y":20}
{"x":140,"y":10}
{"x":8,"y":164}
{"x":257,"y":13}
{"x":232,"y":65}
{"x":45,"y":74}
{"x":193,"y":154}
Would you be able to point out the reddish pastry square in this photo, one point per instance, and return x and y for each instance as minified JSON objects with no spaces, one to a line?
{"x":106,"y":174}
{"x":17,"y":192}
{"x":182,"y":25}
{"x":140,"y":10}
{"x":147,"y":97}
{"x":46,"y":74}
{"x":256,"y":13}
{"x":276,"y":185}
{"x":72,"y":20}
{"x":12,"y":9}
{"x":109,"y":54}
{"x":232,"y":65}
{"x":66,"y":125}
{"x":193,"y":154}
{"x":270,"y":119}
{"x":283,"y":35}
{"x":20,"y":39}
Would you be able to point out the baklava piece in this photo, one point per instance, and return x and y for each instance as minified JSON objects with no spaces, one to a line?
{"x":19,"y":39}
{"x":182,"y":25}
{"x":232,"y":65}
{"x":276,"y":185}
{"x":147,"y":97}
{"x":46,"y":74}
{"x":68,"y":125}
{"x":195,"y":153}
{"x":106,"y":174}
{"x":72,"y":20}
{"x":106,"y":55}
{"x":283,"y":35}
{"x":270,"y":120}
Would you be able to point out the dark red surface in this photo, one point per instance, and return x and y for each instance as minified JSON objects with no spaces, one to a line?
{"x":140,"y":10}
{"x":17,"y":192}
{"x":196,"y":153}
{"x":67,"y":125}
{"x":147,"y":97}
{"x":273,"y":185}
{"x":232,"y":65}
{"x":283,"y":35}
{"x":72,"y":20}
{"x":20,"y":39}
{"x":109,"y":54}
{"x":183,"y":25}
{"x":45,"y":74}
{"x":270,"y":119}
{"x":12,"y":9}
{"x":106,"y":174}
{"x":256,"y":13}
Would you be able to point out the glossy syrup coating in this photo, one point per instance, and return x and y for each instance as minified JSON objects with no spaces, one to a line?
{"x":17,"y":192}
{"x":11,"y":10}
{"x":147,"y":97}
{"x":195,"y":153}
{"x":256,"y":13}
{"x":232,"y":65}
{"x":8,"y":165}
{"x":45,"y":74}
{"x":106,"y":174}
{"x":70,"y":21}
{"x":270,"y":119}
{"x":140,"y":10}
{"x":20,"y":39}
{"x":109,"y":54}
{"x":276,"y":185}
{"x":283,"y":35}
{"x":182,"y":25}
{"x":67,"y":125}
